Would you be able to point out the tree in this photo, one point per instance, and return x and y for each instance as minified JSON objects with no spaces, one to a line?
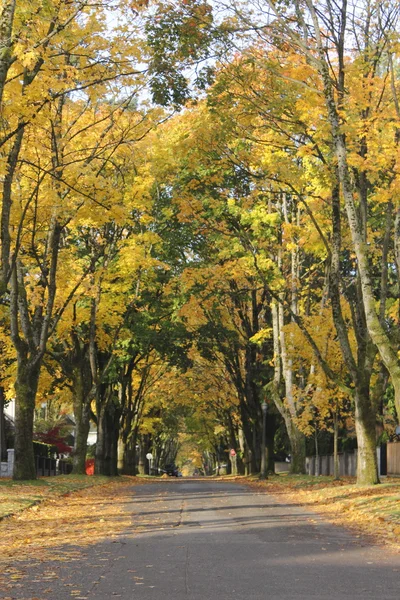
{"x":280,"y":192}
{"x":304,"y":47}
{"x":53,"y":189}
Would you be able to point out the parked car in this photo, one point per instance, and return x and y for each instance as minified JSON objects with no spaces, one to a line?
{"x":172,"y":470}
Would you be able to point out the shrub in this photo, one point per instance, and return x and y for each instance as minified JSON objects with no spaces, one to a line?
{"x":46,"y":450}
{"x":55,"y":437}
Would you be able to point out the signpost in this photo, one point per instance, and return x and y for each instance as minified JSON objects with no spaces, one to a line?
{"x":233,"y":458}
{"x":149,"y":457}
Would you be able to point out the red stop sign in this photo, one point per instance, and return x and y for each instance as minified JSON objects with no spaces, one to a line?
{"x":232,"y":452}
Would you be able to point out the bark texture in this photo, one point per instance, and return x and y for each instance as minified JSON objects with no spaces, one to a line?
{"x":25,"y":389}
{"x":3,"y":442}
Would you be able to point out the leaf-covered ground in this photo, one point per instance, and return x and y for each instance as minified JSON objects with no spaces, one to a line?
{"x":372,"y":510}
{"x":72,"y":514}
{"x":74,"y":519}
{"x":60,"y":527}
{"x":19,"y":495}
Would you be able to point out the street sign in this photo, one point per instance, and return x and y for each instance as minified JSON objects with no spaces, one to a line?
{"x":232,"y":452}
{"x":149,"y":456}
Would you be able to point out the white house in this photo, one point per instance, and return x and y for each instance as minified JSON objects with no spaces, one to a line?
{"x":9,"y":409}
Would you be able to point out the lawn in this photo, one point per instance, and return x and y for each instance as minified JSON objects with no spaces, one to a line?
{"x":372,"y":510}
{"x":73,"y":512}
{"x":18,"y":495}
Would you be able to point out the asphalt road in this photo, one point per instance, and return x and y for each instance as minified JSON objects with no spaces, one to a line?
{"x":202,"y":540}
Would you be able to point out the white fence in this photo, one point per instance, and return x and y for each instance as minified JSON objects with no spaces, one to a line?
{"x":45,"y":467}
{"x":6,"y":468}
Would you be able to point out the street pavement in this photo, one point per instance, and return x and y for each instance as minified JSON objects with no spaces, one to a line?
{"x":194,"y":539}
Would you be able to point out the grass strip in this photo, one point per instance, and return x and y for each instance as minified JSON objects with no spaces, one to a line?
{"x":19,"y":495}
{"x":371,"y":510}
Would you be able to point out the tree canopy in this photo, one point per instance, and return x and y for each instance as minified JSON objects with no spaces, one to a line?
{"x":200,"y":215}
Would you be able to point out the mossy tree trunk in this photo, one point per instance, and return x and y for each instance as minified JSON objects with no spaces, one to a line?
{"x":74,"y":361}
{"x":29,"y":335}
{"x":81,"y":388}
{"x":3,"y":441}
{"x":298,"y":447}
{"x":367,"y":461}
{"x":82,"y":420}
{"x":132,"y":404}
{"x":25,"y":390}
{"x":336,"y":474}
{"x":7,"y":12}
{"x":360,"y":363}
{"x":127,"y":456}
{"x":108,"y":415}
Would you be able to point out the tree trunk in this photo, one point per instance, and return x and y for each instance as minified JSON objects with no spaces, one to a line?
{"x":127,"y":456}
{"x":3,"y":442}
{"x":360,"y":369}
{"x":6,"y":25}
{"x":81,"y":405}
{"x":367,"y":462}
{"x":251,"y":412}
{"x":142,"y":459}
{"x":81,"y":437}
{"x":256,"y":445}
{"x":144,"y":448}
{"x":379,"y":336}
{"x":122,"y":447}
{"x":106,"y":462}
{"x":241,"y":464}
{"x":100,"y":460}
{"x":113,"y":425}
{"x":246,"y":437}
{"x":317,"y":469}
{"x":270,"y":439}
{"x":131,"y":463}
{"x":296,"y":438}
{"x":336,"y":474}
{"x":233,"y":461}
{"x":25,"y":389}
{"x":298,"y":448}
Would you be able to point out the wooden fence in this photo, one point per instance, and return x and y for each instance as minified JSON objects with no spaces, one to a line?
{"x":388,"y":462}
{"x":393,"y":458}
{"x":323,"y":465}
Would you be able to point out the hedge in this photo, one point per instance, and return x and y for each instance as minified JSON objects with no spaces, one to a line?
{"x":42,"y":449}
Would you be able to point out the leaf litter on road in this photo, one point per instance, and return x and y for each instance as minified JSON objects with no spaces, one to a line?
{"x":59,"y":529}
{"x":370,"y":510}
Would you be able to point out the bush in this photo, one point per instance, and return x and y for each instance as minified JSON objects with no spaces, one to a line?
{"x":91,"y":451}
{"x":54,"y":436}
{"x":46,"y":450}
